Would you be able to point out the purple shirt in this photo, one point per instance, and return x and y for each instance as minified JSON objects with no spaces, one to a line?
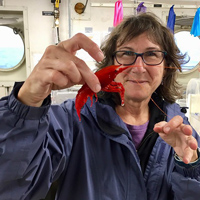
{"x":137,"y":132}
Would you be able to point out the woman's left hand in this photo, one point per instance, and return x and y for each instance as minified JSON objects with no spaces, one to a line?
{"x":179,"y":136}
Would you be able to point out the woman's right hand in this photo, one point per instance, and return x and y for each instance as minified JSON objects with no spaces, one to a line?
{"x":59,"y":68}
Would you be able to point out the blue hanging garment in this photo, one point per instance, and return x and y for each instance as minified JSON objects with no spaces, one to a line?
{"x":171,"y":19}
{"x":195,"y":30}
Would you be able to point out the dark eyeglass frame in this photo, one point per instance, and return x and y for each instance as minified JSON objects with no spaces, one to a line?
{"x":140,"y":55}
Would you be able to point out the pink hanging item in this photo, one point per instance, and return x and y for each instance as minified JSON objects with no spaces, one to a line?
{"x":118,"y":13}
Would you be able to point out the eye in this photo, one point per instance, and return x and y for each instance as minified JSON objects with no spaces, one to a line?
{"x":151,"y":53}
{"x":128,"y":53}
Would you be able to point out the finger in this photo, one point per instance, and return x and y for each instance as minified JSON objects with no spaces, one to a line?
{"x":80,"y":41}
{"x":186,"y":129}
{"x":59,"y":80}
{"x":192,"y":142}
{"x":158,"y":127}
{"x":66,"y":67}
{"x":189,"y":155}
{"x":174,"y":123}
{"x":51,"y":68}
{"x":86,"y":75}
{"x":91,"y":80}
{"x":72,"y":72}
{"x":79,"y":72}
{"x":190,"y":152}
{"x":52,"y":77}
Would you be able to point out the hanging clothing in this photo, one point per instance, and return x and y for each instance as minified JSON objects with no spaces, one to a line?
{"x":118,"y":12}
{"x":171,"y":19}
{"x":195,"y":30}
{"x":141,"y":8}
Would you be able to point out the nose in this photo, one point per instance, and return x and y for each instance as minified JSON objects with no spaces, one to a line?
{"x":139,"y":65}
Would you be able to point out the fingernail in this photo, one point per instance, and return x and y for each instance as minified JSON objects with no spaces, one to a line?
{"x":100,"y":56}
{"x":167,"y":129}
{"x":97,"y":88}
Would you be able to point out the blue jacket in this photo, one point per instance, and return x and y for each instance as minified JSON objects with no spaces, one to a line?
{"x":94,"y":159}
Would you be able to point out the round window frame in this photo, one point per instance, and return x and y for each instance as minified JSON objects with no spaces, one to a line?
{"x":197,"y":66}
{"x":23,"y":57}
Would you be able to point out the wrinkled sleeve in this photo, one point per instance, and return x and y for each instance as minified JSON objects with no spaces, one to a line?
{"x":32,"y":153}
{"x":186,"y":177}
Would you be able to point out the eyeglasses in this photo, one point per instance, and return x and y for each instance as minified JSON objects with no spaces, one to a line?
{"x":149,"y":57}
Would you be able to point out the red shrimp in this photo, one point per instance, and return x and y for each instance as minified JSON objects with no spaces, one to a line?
{"x":106,"y":78}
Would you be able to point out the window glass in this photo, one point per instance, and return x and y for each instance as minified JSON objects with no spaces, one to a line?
{"x":190,"y":45}
{"x":11,"y":48}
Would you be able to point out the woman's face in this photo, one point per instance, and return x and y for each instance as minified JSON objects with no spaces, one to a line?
{"x":140,"y":80}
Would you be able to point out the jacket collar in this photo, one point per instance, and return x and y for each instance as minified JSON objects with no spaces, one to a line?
{"x":106,"y":117}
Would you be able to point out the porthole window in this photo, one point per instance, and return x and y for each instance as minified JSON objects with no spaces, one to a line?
{"x":11,"y":48}
{"x":190,"y":45}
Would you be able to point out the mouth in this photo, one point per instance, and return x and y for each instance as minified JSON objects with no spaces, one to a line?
{"x":138,"y":81}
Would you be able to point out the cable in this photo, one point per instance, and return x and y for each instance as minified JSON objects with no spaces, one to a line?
{"x":85,"y":6}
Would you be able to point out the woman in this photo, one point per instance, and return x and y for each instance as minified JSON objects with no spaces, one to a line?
{"x":143,"y":150}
